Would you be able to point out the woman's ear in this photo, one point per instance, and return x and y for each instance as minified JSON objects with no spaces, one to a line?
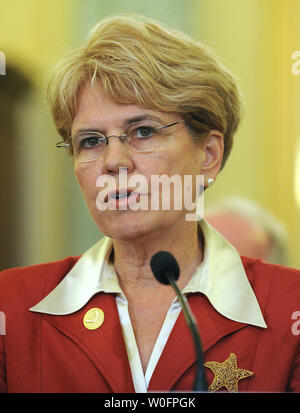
{"x":213,"y":149}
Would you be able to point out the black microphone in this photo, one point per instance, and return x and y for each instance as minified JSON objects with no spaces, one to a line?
{"x":166,"y":270}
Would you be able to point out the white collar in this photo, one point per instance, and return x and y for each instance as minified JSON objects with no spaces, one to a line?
{"x":220,"y":276}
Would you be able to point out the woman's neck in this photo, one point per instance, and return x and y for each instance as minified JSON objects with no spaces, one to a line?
{"x":132,"y":259}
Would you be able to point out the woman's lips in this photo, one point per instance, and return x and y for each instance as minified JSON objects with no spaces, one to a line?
{"x":119,"y":194}
{"x":122,"y":199}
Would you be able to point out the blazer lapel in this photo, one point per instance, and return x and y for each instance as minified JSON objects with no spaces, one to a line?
{"x":104,"y":346}
{"x":212,"y":327}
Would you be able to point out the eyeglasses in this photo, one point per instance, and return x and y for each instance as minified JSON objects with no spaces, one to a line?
{"x":143,"y":136}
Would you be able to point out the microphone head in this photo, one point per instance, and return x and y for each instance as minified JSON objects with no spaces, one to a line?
{"x":162,"y":263}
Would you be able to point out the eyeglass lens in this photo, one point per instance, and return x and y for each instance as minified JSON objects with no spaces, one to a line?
{"x":143,"y":136}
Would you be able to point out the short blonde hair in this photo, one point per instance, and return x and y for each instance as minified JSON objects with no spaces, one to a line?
{"x":139,"y":61}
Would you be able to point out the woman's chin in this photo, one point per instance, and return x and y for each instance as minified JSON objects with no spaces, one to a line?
{"x":132,"y":225}
{"x":126,"y":231}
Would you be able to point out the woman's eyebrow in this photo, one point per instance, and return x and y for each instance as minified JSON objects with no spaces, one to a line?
{"x":83,"y":131}
{"x":86,"y":130}
{"x":126,"y":122}
{"x":142,"y":116}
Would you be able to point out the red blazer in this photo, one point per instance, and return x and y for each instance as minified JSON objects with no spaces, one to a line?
{"x":51,"y":353}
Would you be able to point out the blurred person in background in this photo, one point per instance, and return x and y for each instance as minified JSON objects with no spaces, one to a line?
{"x":147,"y":100}
{"x":251,"y":229}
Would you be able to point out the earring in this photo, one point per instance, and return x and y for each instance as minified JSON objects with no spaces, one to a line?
{"x":210,"y":181}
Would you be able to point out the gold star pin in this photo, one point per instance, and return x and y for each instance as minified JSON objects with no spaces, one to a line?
{"x":226,"y":374}
{"x":93,"y":318}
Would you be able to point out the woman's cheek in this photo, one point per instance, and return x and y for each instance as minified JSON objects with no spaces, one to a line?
{"x":87,"y":181}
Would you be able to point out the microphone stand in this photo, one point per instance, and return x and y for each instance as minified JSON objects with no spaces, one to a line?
{"x":200,"y":384}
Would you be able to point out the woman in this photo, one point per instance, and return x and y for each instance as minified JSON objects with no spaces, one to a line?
{"x":137,"y":100}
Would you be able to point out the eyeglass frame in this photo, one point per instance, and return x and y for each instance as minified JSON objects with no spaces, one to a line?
{"x":123,"y":139}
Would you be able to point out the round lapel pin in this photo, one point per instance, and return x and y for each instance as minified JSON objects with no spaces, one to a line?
{"x":93,"y":318}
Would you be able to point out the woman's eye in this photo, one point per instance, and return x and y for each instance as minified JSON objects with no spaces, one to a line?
{"x":145,"y":132}
{"x":89,"y":142}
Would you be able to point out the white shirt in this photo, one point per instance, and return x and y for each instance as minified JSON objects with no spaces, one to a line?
{"x":220,"y":276}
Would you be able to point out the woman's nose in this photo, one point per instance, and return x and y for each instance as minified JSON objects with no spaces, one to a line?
{"x":116,"y":155}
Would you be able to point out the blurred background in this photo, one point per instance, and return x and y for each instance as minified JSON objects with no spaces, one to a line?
{"x":43,"y":217}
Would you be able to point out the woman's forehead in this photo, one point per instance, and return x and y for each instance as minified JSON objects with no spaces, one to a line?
{"x":94,"y":107}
